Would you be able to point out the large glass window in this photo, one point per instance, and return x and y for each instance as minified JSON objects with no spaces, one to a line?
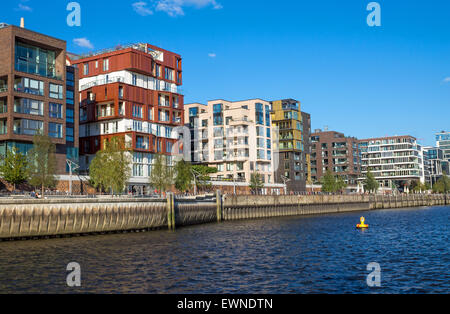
{"x":259,"y":114}
{"x":29,"y":106}
{"x":55,"y":130}
{"x":35,"y":60}
{"x":28,"y":127}
{"x":218,"y":114}
{"x":56,"y":91}
{"x":29,"y":86}
{"x":55,"y":110}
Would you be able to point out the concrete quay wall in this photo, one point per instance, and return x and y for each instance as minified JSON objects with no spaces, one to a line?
{"x":44,"y":218}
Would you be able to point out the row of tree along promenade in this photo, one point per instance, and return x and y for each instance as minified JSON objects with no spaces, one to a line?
{"x":110,"y":171}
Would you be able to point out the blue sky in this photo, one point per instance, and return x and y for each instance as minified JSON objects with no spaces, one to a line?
{"x":360,"y":80}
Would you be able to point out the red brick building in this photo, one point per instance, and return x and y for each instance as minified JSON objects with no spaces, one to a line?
{"x":38,"y":94}
{"x":335,"y":152}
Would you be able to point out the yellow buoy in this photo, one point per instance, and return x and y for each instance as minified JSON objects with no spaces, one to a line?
{"x":362,"y":225}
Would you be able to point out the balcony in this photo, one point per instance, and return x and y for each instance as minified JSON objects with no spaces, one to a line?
{"x":116,"y":79}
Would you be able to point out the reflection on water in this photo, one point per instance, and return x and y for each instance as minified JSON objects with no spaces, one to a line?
{"x":316,"y":254}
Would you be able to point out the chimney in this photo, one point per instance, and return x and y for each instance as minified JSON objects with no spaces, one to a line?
{"x":22,"y":22}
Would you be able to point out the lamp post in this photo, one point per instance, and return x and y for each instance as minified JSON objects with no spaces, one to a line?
{"x":285,"y":180}
{"x":195,"y":174}
{"x":72,"y":167}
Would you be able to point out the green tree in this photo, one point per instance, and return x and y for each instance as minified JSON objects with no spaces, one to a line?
{"x":42,"y":163}
{"x":183,"y":176}
{"x":443,"y":185}
{"x":202,"y":175}
{"x":329,"y":182}
{"x":14,"y":167}
{"x":340,"y":184}
{"x":161,"y":176}
{"x":370,"y":183}
{"x":256,"y":182}
{"x":110,"y":169}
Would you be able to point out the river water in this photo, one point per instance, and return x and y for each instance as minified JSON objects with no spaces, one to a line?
{"x":310,"y":254}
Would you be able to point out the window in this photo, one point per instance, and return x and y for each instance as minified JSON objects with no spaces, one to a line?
{"x":69,"y":97}
{"x":134,"y":79}
{"x":29,"y":86}
{"x":28,"y":127}
{"x":150,"y":113}
{"x":169,"y":147}
{"x":69,"y":135}
{"x":169,"y":74}
{"x":86,"y":69}
{"x":69,"y":116}
{"x":55,"y":110}
{"x":56,"y":91}
{"x":55,"y":130}
{"x":29,"y":106}
{"x":137,"y":111}
{"x":142,"y":142}
{"x":261,"y":154}
{"x":70,"y":79}
{"x":267,"y":115}
{"x":106,"y":65}
{"x":35,"y":60}
{"x":259,"y":114}
{"x":259,"y":131}
{"x":3,"y":127}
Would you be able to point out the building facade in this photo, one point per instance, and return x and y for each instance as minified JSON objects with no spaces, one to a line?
{"x":334,"y":151}
{"x":37,"y":95}
{"x":235,"y":137}
{"x":443,"y":142}
{"x":294,"y":127}
{"x":132,"y":92}
{"x":434,"y":164}
{"x":394,"y":161}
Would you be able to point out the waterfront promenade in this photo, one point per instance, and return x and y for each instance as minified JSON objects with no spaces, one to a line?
{"x":24,"y":219}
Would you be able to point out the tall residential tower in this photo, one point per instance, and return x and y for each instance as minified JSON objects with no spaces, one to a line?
{"x":37,"y":95}
{"x":132,"y":92}
{"x":294,"y":128}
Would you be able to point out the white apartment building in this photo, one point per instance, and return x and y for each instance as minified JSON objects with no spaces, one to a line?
{"x":394,"y":160}
{"x":235,"y":137}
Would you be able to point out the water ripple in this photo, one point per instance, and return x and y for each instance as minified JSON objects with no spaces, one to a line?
{"x":314,"y":254}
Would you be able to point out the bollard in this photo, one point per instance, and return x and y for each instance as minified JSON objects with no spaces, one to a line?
{"x":170,"y":211}
{"x":219,"y":204}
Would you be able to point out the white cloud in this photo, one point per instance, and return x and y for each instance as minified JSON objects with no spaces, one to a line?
{"x":141,"y":8}
{"x":212,"y":55}
{"x":23,"y":7}
{"x":175,"y":7}
{"x":446,"y":80}
{"x":83,"y":42}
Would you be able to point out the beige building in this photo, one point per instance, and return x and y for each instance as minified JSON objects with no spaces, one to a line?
{"x":236,"y":137}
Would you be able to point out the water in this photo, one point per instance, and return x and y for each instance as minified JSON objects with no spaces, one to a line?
{"x":315,"y":254}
